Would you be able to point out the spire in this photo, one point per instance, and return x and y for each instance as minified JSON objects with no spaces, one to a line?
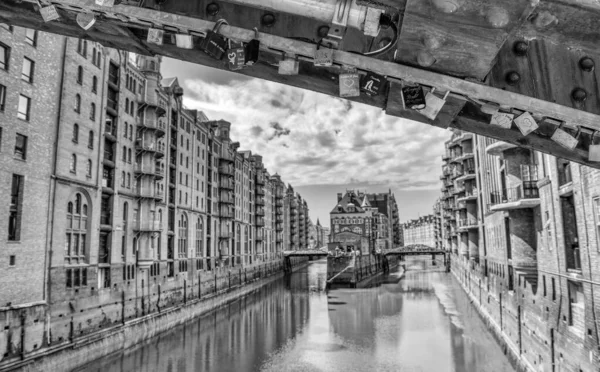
{"x":318,"y":222}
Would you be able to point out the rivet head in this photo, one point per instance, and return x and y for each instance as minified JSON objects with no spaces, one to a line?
{"x":579,"y":95}
{"x":446,"y":6}
{"x":513,"y":78}
{"x":520,"y":48}
{"x":498,"y":17}
{"x":586,"y":64}
{"x":431,"y":42}
{"x":268,"y":20}
{"x":323,"y":31}
{"x":425,"y":59}
{"x":213,"y":9}
{"x":544,"y":19}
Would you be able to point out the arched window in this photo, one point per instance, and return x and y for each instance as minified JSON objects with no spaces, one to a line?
{"x":79,"y":75}
{"x":246,"y":241}
{"x":132,"y":108}
{"x":85,"y":48}
{"x":125,"y":212}
{"x":126,"y":128}
{"x":199,"y":237}
{"x":94,"y":56}
{"x":123,"y":178}
{"x":183,"y":234}
{"x":238,"y":241}
{"x":76,"y":239}
{"x":98,"y":59}
{"x":93,"y":112}
{"x":124,"y":153}
{"x":128,"y":180}
{"x":130,"y":131}
{"x":129,"y":156}
{"x":77,"y":103}
{"x":89,"y":168}
{"x":80,"y":46}
{"x":152,"y":65}
{"x":94,"y":84}
{"x":91,"y":139}
{"x":73,"y":165}
{"x":127,"y":105}
{"x":76,"y":133}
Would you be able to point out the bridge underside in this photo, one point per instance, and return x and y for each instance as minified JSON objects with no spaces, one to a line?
{"x":305,"y":254}
{"x":520,"y":56}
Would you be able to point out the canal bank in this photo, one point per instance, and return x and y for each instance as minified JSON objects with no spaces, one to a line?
{"x":424,"y":322}
{"x":223,"y":286}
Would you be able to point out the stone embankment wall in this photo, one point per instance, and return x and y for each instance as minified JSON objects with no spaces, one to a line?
{"x":63,"y":337}
{"x":528,"y":323}
{"x":362,"y":268}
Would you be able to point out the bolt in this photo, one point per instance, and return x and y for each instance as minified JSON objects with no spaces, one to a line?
{"x":513,"y":78}
{"x":520,"y":48}
{"x":213,"y":9}
{"x":425,"y":59}
{"x":586,"y":64}
{"x":323,"y":31}
{"x":268,"y":20}
{"x":579,"y":95}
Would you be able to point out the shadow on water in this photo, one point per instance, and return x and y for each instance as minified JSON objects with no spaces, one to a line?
{"x":422,"y":322}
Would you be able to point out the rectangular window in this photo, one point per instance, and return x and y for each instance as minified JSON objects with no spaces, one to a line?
{"x":31,"y":37}
{"x":553,"y":290}
{"x":15,"y":209}
{"x":21,"y":147}
{"x":24,"y":107}
{"x":4,"y":57}
{"x":104,"y":277}
{"x":2,"y":97}
{"x":27,"y":72}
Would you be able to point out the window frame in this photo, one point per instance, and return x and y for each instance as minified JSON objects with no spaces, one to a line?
{"x":23,"y":150}
{"x":3,"y":91}
{"x":5,"y":65}
{"x":24,"y":116}
{"x":31,"y":41}
{"x":596,"y":209}
{"x":28,"y":78}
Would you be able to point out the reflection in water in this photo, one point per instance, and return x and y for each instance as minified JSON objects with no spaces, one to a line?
{"x":422,"y":323}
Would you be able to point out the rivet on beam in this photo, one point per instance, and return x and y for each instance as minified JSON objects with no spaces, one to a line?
{"x":425,"y":59}
{"x":446,"y":6}
{"x":213,"y":9}
{"x":579,"y":95}
{"x":431,"y":42}
{"x":268,"y":20}
{"x":520,"y":48}
{"x":513,"y":78}
{"x":586,"y":64}
{"x":544,"y":19}
{"x":323,"y":31}
{"x":498,"y":17}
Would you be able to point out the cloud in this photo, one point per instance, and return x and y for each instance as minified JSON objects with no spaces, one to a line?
{"x":311,"y":139}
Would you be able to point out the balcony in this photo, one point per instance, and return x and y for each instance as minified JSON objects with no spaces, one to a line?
{"x":260,"y":181}
{"x":226,"y":235}
{"x":110,"y":132}
{"x":466,"y":224}
{"x":260,"y":212}
{"x":147,"y":192}
{"x":227,"y":157}
{"x":147,"y":226}
{"x":260,"y":222}
{"x":226,"y":185}
{"x":260,"y":191}
{"x":468,"y":173}
{"x":279,"y":227}
{"x":522,"y":197}
{"x":156,"y":125}
{"x":259,"y":237}
{"x":279,"y":202}
{"x":227,"y":199}
{"x":225,"y":213}
{"x":446,"y":156}
{"x":152,"y":100}
{"x":227,"y":171}
{"x":145,"y":169}
{"x":498,"y":147}
{"x":471,"y":194}
{"x":259,"y":202}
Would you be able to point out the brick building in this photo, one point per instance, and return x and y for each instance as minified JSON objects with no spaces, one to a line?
{"x":117,"y":198}
{"x":524,"y":231}
{"x":421,"y":231}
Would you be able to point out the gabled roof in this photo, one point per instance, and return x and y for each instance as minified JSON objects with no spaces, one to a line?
{"x":169,"y":82}
{"x":349,"y":198}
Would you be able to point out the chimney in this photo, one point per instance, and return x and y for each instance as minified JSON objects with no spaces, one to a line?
{"x":339,"y":197}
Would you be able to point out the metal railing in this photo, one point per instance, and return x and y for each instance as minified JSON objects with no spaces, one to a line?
{"x":147,"y":225}
{"x":467,"y":222}
{"x":527,"y":190}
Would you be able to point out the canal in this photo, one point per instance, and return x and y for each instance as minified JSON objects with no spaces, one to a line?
{"x":422,"y":322}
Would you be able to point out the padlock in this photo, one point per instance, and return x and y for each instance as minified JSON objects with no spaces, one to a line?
{"x":413,"y":97}
{"x":252,"y":50}
{"x":526,"y":123}
{"x":49,"y":13}
{"x":433,"y":105}
{"x":85,"y":20}
{"x":215,"y":45}
{"x":594,"y":152}
{"x":323,"y":56}
{"x":564,"y":139}
{"x":502,"y":119}
{"x":235,"y":55}
{"x":372,"y":84}
{"x":155,"y":36}
{"x":289,"y":66}
{"x":350,"y":84}
{"x":184,"y":41}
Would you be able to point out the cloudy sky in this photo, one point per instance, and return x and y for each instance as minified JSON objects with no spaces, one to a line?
{"x":320,"y":144}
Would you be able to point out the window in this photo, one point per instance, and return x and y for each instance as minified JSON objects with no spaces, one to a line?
{"x":123,"y":179}
{"x":104,"y":277}
{"x":15,"y":209}
{"x":4,"y":57}
{"x":77,"y":227}
{"x":130,"y":131}
{"x":27,"y":72}
{"x":93,"y":112}
{"x":21,"y":147}
{"x":98,"y":59}
{"x":128,"y":180}
{"x":125,"y":133}
{"x":183,"y":233}
{"x":2,"y":97}
{"x":80,"y":75}
{"x":127,"y":105}
{"x":124,"y":154}
{"x":31,"y":37}
{"x":80,"y":46}
{"x":94,"y":85}
{"x":596,"y":203}
{"x":129,"y":156}
{"x":91,"y":140}
{"x":76,"y":277}
{"x":89,"y":169}
{"x":73,"y":165}
{"x":76,"y":133}
{"x":77,"y":103}
{"x":24,"y":107}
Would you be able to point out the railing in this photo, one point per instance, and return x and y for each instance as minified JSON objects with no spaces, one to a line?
{"x":260,"y":181}
{"x":227,"y":199}
{"x":528,"y":190}
{"x":228,"y":185}
{"x":230,"y":171}
{"x":152,"y":124}
{"x":260,"y":191}
{"x":107,"y":182}
{"x":226,"y":156}
{"x":259,"y":201}
{"x":260,"y":212}
{"x":226,"y":235}
{"x":473,"y":192}
{"x":225,"y":214}
{"x":147,"y":225}
{"x":145,"y":168}
{"x":466,"y":222}
{"x":260,"y":222}
{"x":112,"y":104}
{"x":147,"y":145}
